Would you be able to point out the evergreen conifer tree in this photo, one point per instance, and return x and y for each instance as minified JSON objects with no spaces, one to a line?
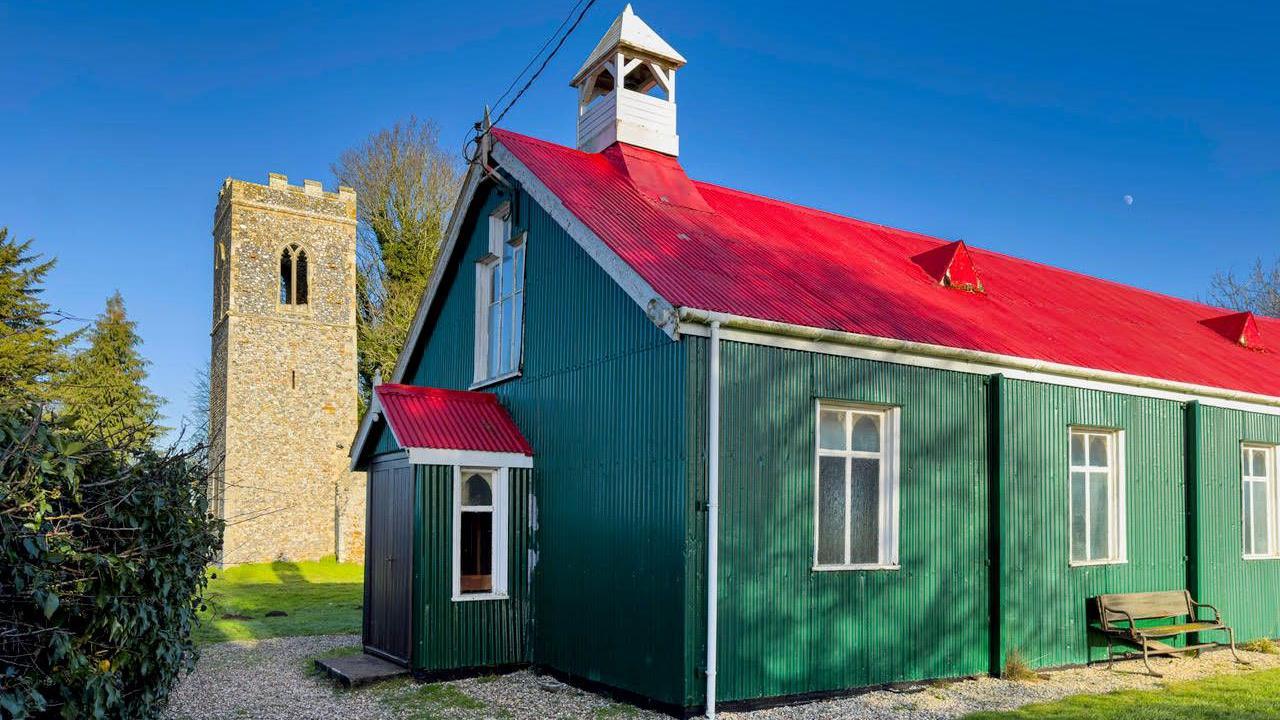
{"x":31,"y":350}
{"x":104,"y":387}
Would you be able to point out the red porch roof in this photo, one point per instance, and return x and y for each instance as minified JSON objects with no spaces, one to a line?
{"x":440,"y":419}
{"x":712,"y":248}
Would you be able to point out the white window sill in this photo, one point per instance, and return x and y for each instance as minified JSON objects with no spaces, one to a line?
{"x":469,"y":597}
{"x":845,"y":568}
{"x":1097,"y":563}
{"x":494,"y":380}
{"x":1260,"y":557}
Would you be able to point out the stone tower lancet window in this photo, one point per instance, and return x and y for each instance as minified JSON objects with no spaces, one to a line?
{"x":293,"y":275}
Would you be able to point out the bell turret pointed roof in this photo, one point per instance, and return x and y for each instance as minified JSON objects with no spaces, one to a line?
{"x":629,"y":31}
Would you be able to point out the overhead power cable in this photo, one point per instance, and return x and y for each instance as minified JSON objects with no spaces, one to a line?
{"x":538,"y":54}
{"x":546,"y":60}
{"x":559,"y":37}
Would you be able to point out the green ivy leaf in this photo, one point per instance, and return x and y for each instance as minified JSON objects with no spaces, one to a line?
{"x":49,"y":604}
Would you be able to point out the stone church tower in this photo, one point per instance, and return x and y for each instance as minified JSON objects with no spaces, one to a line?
{"x":282,"y":378}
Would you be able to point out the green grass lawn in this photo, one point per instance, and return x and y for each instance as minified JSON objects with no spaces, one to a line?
{"x":319,"y":598}
{"x":1251,"y":696}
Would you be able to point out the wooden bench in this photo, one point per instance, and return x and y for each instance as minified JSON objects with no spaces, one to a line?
{"x":1118,"y":616}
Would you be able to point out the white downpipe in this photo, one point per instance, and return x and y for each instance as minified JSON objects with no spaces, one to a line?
{"x":713,"y":514}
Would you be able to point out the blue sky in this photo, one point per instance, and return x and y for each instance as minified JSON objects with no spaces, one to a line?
{"x":1016,"y":128}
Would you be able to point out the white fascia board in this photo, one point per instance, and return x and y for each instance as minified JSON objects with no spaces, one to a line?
{"x":655,"y":307}
{"x":740,"y":328}
{"x":470,"y":184}
{"x":469,"y":458}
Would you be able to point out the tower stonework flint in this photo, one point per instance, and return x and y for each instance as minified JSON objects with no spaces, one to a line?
{"x":282,"y":376}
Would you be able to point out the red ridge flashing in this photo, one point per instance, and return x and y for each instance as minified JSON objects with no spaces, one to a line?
{"x":1240,"y":328}
{"x":437,"y":393}
{"x":659,"y":178}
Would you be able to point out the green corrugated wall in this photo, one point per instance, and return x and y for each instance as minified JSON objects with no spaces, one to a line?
{"x":696,"y":382}
{"x":1246,"y":591}
{"x":1043,"y":599}
{"x":385,"y":440}
{"x":452,"y":635}
{"x":600,"y":399}
{"x":785,"y":629}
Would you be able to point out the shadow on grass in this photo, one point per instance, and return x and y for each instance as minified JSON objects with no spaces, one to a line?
{"x":239,"y":599}
{"x":288,"y":572}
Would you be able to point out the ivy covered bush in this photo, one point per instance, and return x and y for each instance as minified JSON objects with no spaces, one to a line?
{"x":103,"y":553}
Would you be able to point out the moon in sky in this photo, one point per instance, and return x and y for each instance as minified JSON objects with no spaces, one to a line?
{"x":1128,"y":199}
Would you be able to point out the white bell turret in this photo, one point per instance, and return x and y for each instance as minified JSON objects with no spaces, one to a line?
{"x":627,"y":89}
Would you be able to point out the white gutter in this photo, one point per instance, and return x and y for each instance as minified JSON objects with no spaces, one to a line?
{"x":978,"y":361}
{"x":713,"y":514}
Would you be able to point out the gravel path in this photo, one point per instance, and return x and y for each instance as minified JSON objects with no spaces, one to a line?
{"x":268,"y":679}
{"x":272,"y":680}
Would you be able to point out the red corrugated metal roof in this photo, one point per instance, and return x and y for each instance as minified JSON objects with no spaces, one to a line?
{"x":441,"y":419}
{"x":767,"y":259}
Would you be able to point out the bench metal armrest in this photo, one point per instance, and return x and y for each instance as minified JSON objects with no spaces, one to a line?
{"x":1133,"y":624}
{"x":1217,"y":616}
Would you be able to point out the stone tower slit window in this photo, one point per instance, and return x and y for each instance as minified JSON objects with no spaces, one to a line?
{"x":293,"y":275}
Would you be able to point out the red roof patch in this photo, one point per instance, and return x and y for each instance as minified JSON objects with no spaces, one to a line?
{"x":450,"y":420}
{"x":772,"y":260}
{"x":1240,"y":328}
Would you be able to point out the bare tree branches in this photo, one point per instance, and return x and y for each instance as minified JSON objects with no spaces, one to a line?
{"x":1257,"y":290}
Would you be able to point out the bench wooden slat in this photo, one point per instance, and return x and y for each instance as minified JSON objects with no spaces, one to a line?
{"x":1169,"y":630}
{"x":1144,"y":606}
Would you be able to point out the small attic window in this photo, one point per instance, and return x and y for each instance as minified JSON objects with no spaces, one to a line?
{"x":951,"y":265}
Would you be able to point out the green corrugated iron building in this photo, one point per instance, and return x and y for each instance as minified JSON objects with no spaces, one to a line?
{"x":900,"y":458}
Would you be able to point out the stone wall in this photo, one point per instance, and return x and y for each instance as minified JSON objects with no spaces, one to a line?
{"x":283,"y":377}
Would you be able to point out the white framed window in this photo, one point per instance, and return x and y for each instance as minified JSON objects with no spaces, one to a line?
{"x":479,"y":533}
{"x":500,"y":301}
{"x":856,"y":483}
{"x":1097,"y":496}
{"x":1258,"y":491}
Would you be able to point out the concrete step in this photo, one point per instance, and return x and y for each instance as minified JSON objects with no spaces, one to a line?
{"x":355,"y":670}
